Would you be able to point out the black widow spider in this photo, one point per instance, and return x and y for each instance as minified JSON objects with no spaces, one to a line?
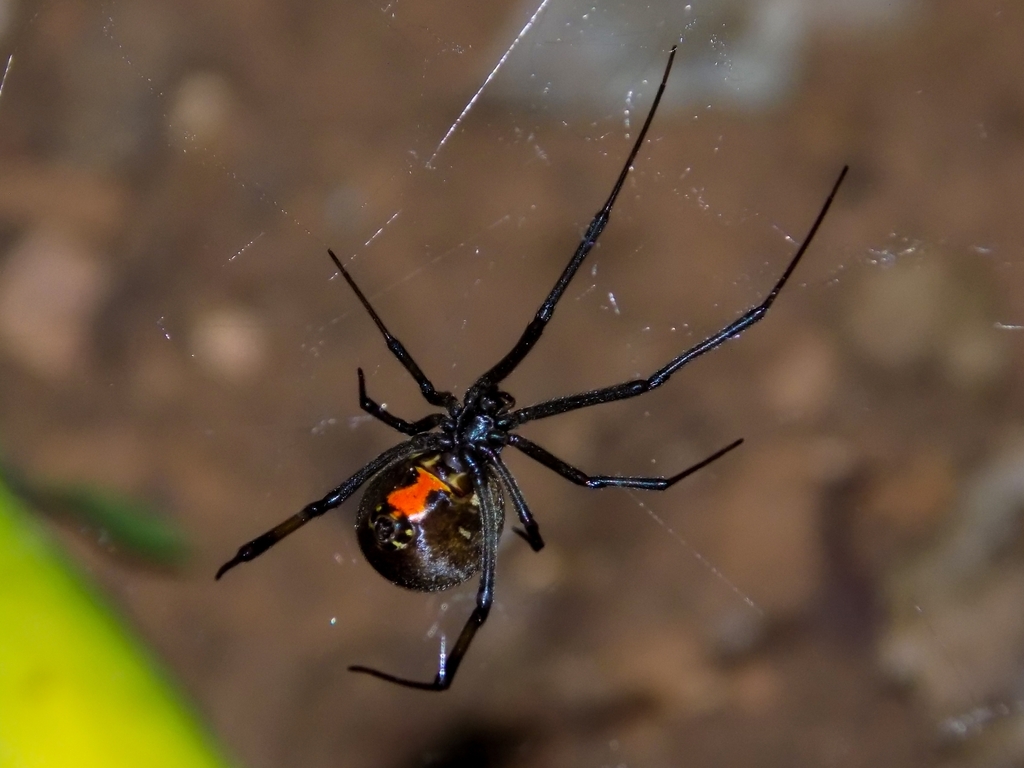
{"x":433,"y":512}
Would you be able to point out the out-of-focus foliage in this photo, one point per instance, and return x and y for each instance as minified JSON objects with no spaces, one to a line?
{"x":127,"y":526}
{"x":75,"y":688}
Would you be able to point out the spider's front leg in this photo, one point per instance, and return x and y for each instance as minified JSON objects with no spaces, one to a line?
{"x":375,"y":409}
{"x":504,"y":367}
{"x":430,"y":394}
{"x":637,"y":387}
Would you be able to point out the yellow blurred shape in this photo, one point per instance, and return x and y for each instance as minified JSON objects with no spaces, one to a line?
{"x":76,"y":691}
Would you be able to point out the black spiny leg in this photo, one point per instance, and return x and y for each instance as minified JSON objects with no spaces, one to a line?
{"x":484,"y":596}
{"x":578,"y":477}
{"x":530,"y":532}
{"x":432,"y":396}
{"x":375,"y":409}
{"x":630,"y":389}
{"x":508,"y":363}
{"x":262,"y":543}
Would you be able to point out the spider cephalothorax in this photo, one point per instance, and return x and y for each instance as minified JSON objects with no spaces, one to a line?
{"x":433,"y":512}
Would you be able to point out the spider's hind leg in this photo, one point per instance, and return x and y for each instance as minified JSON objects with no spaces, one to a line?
{"x":376,"y":410}
{"x":579,"y":477}
{"x":530,"y":532}
{"x":491,"y":519}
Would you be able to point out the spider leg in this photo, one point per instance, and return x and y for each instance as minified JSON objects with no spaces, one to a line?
{"x":530,"y":532}
{"x":484,"y":596}
{"x":411,"y":428}
{"x":536,"y":327}
{"x":432,"y":396}
{"x":640,"y":386}
{"x":574,"y":475}
{"x":262,"y":543}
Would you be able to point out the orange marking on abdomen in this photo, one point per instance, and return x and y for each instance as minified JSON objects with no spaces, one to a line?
{"x":411,"y":500}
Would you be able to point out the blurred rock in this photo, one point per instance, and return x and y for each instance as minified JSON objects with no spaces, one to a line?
{"x":230,"y":343}
{"x":974,"y":355}
{"x":802,"y":381}
{"x":908,"y":501}
{"x":200,"y":110}
{"x":765,"y":43}
{"x":737,"y":630}
{"x":6,"y":14}
{"x":156,"y":377}
{"x":986,"y":737}
{"x":960,"y":650}
{"x":85,"y":202}
{"x":985,"y":523}
{"x":757,"y":688}
{"x":956,"y":614}
{"x":897,"y":312}
{"x":668,"y":663}
{"x":538,"y":571}
{"x":51,"y":287}
{"x":110,"y":455}
{"x":772,"y":547}
{"x":920,"y":309}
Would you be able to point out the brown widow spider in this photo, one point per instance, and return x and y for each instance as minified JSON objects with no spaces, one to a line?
{"x":433,"y":512}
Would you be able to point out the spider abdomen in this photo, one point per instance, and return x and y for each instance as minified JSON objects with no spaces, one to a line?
{"x":419,"y":523}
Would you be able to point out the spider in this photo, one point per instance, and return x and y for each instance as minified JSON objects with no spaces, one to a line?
{"x":434,"y":509}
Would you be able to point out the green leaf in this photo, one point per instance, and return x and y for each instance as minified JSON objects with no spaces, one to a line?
{"x":127,"y":524}
{"x":76,"y":690}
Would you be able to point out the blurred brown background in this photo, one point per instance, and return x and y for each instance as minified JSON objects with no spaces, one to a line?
{"x":171,"y":174}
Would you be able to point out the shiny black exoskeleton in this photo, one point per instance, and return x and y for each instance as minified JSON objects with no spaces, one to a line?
{"x":433,"y":512}
{"x":419,"y":523}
